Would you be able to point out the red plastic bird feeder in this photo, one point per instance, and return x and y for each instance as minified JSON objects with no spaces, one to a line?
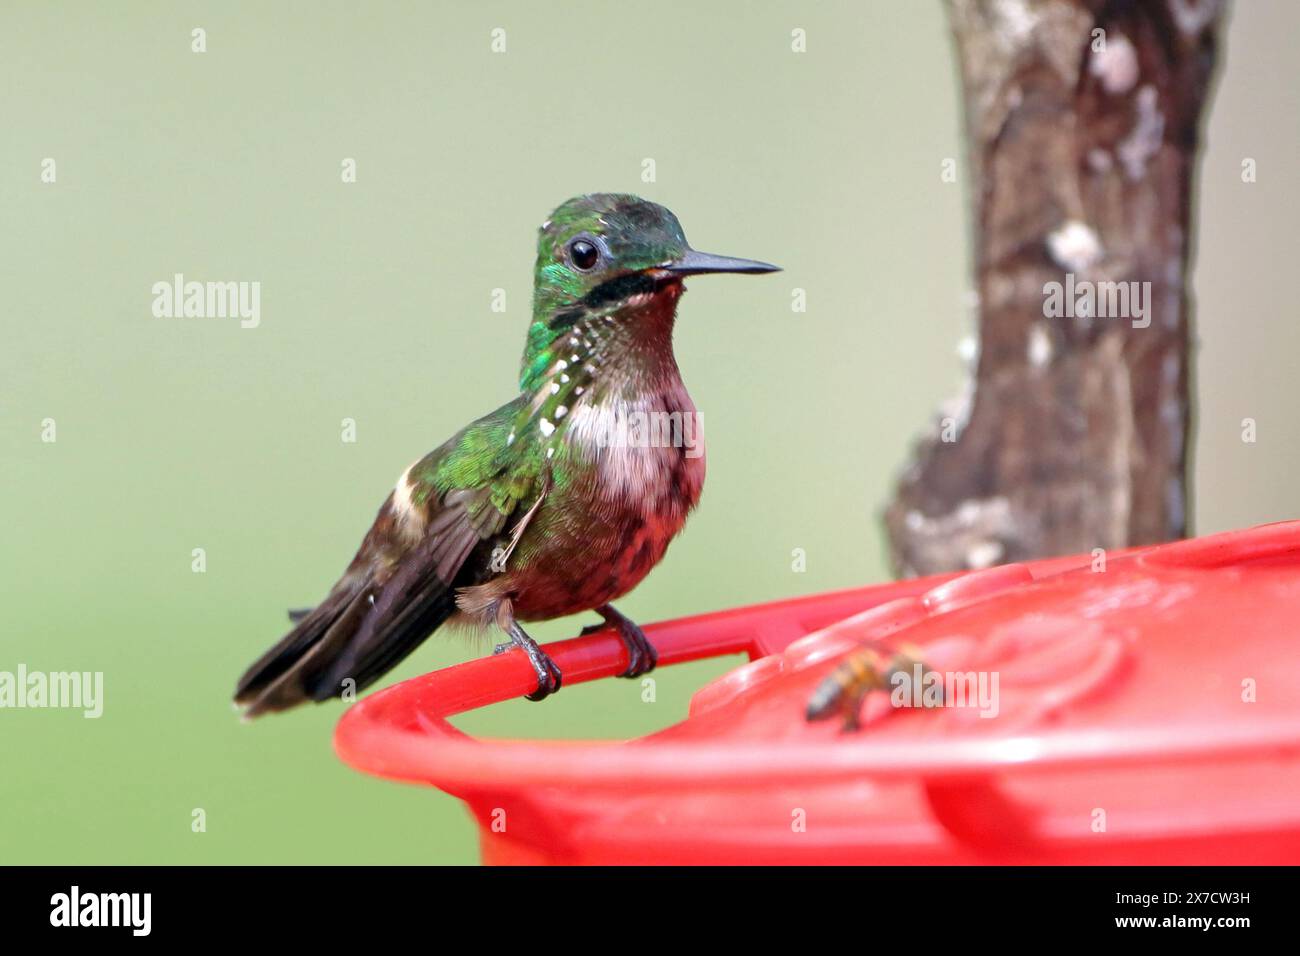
{"x":1146,"y":710}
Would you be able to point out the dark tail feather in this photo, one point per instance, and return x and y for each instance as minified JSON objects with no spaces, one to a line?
{"x":288,"y":673}
{"x":366,"y":626}
{"x":406,"y":609}
{"x":357,"y":635}
{"x":310,"y":626}
{"x":387,"y":637}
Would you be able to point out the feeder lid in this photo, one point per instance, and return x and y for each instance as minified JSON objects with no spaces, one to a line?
{"x":1124,"y":708}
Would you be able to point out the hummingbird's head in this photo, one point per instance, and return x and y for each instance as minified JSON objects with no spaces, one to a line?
{"x":613,"y":257}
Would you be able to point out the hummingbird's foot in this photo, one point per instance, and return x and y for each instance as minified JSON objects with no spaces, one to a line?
{"x":641,"y":654}
{"x":549,"y":677}
{"x":862,"y":672}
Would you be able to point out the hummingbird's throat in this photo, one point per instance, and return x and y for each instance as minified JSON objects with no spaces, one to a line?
{"x":607,"y":349}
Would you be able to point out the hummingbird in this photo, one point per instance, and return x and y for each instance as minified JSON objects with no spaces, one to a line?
{"x":557,"y":503}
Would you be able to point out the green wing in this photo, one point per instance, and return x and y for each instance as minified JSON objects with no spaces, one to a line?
{"x":481,"y":472}
{"x":398,"y":591}
{"x":470,"y":490}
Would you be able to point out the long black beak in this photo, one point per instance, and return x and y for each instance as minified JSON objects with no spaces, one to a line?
{"x":698,"y":263}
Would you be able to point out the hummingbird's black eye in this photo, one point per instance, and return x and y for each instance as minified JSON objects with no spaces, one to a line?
{"x":583,"y":253}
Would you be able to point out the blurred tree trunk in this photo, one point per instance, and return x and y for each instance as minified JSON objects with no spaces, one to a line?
{"x":1082,"y":121}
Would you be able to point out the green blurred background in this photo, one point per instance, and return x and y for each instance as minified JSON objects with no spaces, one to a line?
{"x":175,"y":434}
